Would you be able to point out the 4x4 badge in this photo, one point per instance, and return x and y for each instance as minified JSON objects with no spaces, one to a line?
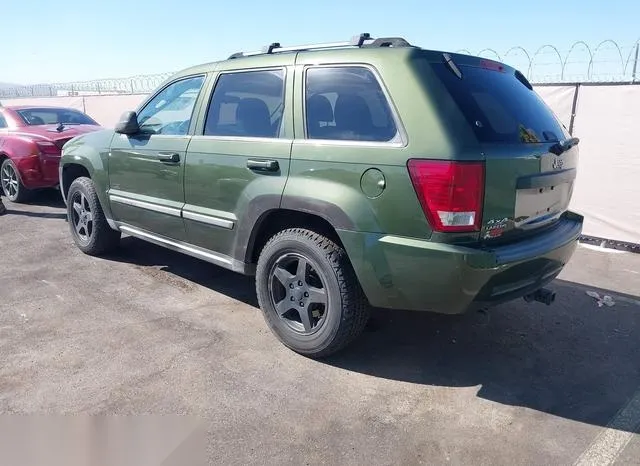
{"x":558,"y":163}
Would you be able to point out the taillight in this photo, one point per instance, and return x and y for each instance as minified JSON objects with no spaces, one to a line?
{"x":451,"y":193}
{"x":47,"y":147}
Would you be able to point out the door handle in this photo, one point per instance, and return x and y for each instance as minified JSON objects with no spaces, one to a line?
{"x":172,"y":157}
{"x":265,"y":165}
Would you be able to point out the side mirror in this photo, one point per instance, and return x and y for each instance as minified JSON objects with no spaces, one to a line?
{"x":128,"y":123}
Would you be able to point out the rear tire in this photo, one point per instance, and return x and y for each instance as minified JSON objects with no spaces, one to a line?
{"x":12,"y":186}
{"x":309,"y":294}
{"x":87,"y":222}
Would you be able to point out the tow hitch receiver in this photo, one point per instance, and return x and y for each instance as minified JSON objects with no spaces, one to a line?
{"x":543,"y":295}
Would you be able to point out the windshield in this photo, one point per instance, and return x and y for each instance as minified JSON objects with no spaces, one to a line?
{"x":498,"y":106}
{"x":54,"y":116}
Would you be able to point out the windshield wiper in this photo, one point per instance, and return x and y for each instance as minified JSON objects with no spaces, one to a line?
{"x":520,"y":77}
{"x":563,"y":146}
{"x":451,"y":65}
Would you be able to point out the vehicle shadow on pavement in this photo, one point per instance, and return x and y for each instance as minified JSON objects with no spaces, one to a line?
{"x":26,"y":213}
{"x":46,"y":198}
{"x":145,"y":254}
{"x":572,"y":359}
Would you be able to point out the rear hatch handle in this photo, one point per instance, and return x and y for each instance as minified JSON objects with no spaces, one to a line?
{"x":563,"y":146}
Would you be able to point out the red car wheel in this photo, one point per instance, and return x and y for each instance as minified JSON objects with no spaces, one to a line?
{"x":12,"y":187}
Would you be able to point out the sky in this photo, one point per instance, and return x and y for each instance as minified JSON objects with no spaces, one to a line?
{"x":71,"y":40}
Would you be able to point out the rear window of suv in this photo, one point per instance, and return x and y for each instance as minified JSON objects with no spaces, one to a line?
{"x":499,"y":107}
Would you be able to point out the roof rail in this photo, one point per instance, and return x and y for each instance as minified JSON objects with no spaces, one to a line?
{"x":356,"y":41}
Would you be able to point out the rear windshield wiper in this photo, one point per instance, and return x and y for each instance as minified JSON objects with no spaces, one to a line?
{"x":563,"y":146}
{"x":520,"y":77}
{"x":452,"y":66}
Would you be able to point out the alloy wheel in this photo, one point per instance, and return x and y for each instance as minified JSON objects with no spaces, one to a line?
{"x":10,"y":182}
{"x":82,"y":216}
{"x":298,"y":293}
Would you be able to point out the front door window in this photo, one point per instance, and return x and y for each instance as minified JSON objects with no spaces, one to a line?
{"x":170,"y":112}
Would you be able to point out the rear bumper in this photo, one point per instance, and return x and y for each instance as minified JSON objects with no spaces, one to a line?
{"x":408,"y":273}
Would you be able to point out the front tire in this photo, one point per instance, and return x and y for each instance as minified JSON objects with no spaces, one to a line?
{"x":12,"y":187}
{"x":309,"y":294}
{"x":87,"y":222}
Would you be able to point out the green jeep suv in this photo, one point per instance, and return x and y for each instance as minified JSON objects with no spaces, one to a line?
{"x":343,"y":176}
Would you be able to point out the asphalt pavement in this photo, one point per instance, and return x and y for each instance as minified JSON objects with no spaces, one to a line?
{"x":150,"y":331}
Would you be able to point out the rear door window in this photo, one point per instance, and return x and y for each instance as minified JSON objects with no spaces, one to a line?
{"x":498,"y":106}
{"x":247,"y":104}
{"x":346,"y":103}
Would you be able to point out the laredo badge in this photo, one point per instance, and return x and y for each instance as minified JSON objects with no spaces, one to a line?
{"x":495,"y":228}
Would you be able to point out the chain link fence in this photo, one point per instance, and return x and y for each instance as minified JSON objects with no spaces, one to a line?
{"x":605,"y":62}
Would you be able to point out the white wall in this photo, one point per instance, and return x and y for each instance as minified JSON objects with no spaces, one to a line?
{"x":608,"y":187}
{"x":105,"y":109}
{"x":560,"y":99}
{"x":607,"y":190}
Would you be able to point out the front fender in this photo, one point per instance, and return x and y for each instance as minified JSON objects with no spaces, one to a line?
{"x":91,"y":152}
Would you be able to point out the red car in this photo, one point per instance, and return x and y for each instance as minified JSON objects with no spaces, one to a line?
{"x":31,"y":140}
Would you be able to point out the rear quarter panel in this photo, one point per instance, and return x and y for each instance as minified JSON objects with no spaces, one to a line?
{"x":23,"y":152}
